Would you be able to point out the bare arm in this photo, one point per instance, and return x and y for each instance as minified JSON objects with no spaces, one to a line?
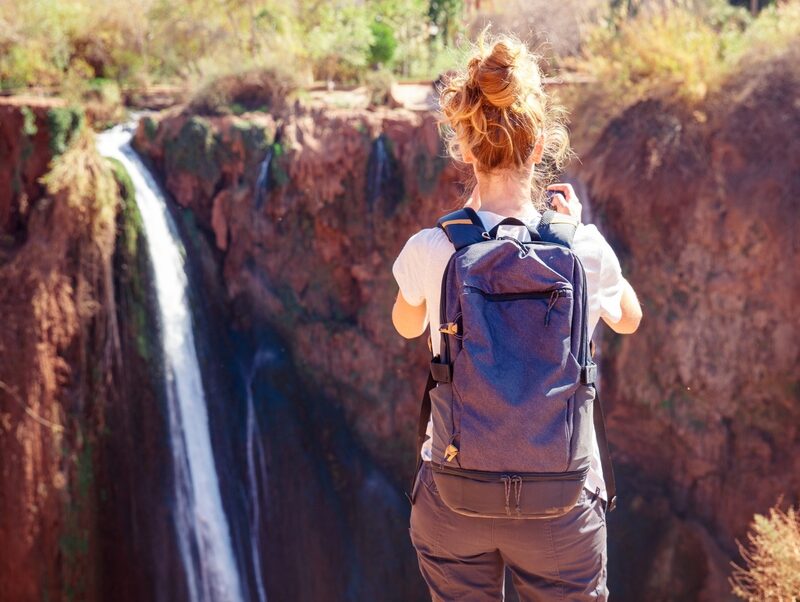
{"x":409,"y":320}
{"x":569,"y":204}
{"x":631,"y":312}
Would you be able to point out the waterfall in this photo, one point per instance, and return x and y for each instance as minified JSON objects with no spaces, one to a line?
{"x":256,"y":465}
{"x":378,"y":171}
{"x":203,"y":534}
{"x":262,"y":183}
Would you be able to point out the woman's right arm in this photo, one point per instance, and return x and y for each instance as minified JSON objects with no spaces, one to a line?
{"x":631,"y":312}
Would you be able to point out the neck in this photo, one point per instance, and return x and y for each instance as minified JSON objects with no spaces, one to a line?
{"x":505,"y":193}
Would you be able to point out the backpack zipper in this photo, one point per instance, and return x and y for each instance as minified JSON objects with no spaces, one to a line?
{"x":552,"y":295}
{"x":549,"y":294}
{"x":479,"y":475}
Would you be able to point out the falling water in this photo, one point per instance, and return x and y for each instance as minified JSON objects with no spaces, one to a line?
{"x":262,"y":183}
{"x":202,"y":528}
{"x":256,"y":465}
{"x":378,"y":170}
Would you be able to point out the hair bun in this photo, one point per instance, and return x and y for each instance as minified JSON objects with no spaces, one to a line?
{"x":496,"y":76}
{"x":496,"y":111}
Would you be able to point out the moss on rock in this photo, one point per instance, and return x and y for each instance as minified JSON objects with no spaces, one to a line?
{"x":194,"y":149}
{"x":64,"y":123}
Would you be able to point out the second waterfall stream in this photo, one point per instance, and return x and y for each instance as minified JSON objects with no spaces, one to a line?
{"x":202,"y":528}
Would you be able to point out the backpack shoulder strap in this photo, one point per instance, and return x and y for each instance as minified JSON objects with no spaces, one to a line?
{"x":462,"y":227}
{"x":557,"y":228}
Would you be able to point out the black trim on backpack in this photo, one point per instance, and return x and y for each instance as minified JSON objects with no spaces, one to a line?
{"x":463,"y":227}
{"x":422,"y":427}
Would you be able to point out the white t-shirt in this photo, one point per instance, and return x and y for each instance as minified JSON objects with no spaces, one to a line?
{"x":420,"y":266}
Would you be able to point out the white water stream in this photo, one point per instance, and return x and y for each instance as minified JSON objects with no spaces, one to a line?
{"x":202,"y":528}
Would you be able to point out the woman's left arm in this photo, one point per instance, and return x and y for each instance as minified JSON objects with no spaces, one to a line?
{"x":409,"y":320}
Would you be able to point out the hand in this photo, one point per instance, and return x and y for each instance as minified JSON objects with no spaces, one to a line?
{"x":566,"y":202}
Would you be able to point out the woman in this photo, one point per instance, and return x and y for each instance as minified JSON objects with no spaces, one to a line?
{"x":501,"y":122}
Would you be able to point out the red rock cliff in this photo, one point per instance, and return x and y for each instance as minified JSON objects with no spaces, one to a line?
{"x":701,"y":205}
{"x":54,"y":285}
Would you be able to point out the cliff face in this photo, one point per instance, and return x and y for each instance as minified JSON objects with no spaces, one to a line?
{"x":702,"y":204}
{"x":54,"y":291}
{"x":309,"y":252}
{"x":72,"y":423}
{"x":308,"y":209}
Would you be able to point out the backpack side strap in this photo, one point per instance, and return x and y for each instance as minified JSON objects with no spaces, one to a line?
{"x":462,"y":227}
{"x":605,"y":454}
{"x":557,"y":228}
{"x":422,"y":427}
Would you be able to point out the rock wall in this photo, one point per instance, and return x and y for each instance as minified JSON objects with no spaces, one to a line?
{"x":312,"y":258}
{"x":702,"y":203}
{"x":75,"y":428}
{"x":54,"y":288}
{"x":307,"y":210}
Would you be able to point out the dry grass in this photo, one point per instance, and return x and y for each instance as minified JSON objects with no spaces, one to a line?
{"x":771,"y":559}
{"x":676,"y":50}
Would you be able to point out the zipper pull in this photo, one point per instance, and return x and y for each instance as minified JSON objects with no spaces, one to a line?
{"x":550,"y":304}
{"x":450,"y":453}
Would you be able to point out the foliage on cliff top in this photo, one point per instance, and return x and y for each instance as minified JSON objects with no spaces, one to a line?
{"x":264,"y":89}
{"x":72,"y":43}
{"x":771,"y":559}
{"x":683,"y":52}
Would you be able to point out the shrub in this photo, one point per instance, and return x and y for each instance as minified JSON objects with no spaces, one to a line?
{"x":382,"y":49}
{"x":771,"y":559}
{"x":379,"y":86}
{"x":257,"y":89}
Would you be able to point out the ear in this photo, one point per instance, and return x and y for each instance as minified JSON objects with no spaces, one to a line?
{"x":538,"y":149}
{"x":467,"y":156}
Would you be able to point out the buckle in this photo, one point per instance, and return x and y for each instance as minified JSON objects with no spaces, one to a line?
{"x":449,"y":328}
{"x":442,"y":373}
{"x":589,"y":374}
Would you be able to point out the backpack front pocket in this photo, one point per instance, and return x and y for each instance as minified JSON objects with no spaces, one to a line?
{"x":514,"y":376}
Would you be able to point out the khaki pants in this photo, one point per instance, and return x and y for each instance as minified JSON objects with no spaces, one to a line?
{"x":464,"y":557}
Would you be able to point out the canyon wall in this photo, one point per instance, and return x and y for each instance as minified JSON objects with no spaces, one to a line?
{"x":79,"y":435}
{"x":308,"y":208}
{"x":701,"y":203}
{"x":291,"y":222}
{"x":309,"y":253}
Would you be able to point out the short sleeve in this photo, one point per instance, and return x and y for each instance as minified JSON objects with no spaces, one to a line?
{"x":408,"y":270}
{"x":612,"y":284}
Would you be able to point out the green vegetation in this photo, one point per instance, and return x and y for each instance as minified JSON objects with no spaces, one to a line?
{"x":28,"y":122}
{"x":64,"y":123}
{"x":80,"y":177}
{"x":135,"y":259}
{"x":255,"y":55}
{"x":83,"y":47}
{"x":194,"y":149}
{"x":131,"y":219}
{"x":74,"y":542}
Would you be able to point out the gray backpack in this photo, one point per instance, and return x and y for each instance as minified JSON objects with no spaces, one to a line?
{"x":512,"y":393}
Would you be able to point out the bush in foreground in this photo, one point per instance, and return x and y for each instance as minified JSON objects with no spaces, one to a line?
{"x":771,"y":568}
